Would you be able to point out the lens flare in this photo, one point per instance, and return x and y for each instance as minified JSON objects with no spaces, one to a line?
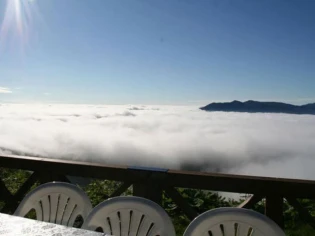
{"x":17,"y":21}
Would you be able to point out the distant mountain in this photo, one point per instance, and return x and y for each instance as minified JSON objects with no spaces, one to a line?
{"x":264,"y":107}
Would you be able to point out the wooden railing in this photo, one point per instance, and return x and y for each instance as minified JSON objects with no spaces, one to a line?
{"x":151,"y":182}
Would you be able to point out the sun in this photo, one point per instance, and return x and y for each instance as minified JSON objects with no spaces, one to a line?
{"x":18,"y":19}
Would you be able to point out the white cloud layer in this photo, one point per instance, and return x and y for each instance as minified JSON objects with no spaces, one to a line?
{"x":163,"y":136}
{"x":5,"y":90}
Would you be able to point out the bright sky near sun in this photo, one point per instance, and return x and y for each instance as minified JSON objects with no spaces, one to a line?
{"x":156,"y":51}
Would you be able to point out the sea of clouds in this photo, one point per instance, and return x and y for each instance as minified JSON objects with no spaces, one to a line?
{"x":175,"y":137}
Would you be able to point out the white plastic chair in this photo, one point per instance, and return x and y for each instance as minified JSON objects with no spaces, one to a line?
{"x":231,"y":222}
{"x":56,"y":202}
{"x":130,"y":216}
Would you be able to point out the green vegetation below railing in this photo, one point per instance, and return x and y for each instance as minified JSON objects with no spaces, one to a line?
{"x":200,"y":200}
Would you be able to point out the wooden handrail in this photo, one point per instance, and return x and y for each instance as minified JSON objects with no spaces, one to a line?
{"x":169,"y":178}
{"x":150,"y":182}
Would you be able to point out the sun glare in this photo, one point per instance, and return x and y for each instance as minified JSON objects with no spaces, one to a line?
{"x":17,"y":20}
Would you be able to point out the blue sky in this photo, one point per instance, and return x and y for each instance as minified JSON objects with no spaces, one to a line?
{"x":157,"y":51}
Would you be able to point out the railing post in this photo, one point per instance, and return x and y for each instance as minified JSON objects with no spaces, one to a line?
{"x":148,"y":190}
{"x":149,"y":185}
{"x":274,"y":209}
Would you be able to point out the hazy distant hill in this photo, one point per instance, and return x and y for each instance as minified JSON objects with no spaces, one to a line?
{"x":266,"y":107}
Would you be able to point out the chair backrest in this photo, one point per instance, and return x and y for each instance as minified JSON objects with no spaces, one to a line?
{"x":130,"y":216}
{"x":231,"y":222}
{"x":56,"y":202}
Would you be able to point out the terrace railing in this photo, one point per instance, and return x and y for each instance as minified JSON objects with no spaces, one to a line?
{"x":151,"y":182}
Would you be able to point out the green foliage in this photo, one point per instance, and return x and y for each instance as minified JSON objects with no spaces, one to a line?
{"x":301,"y":229}
{"x":294,"y":225}
{"x":13,"y":179}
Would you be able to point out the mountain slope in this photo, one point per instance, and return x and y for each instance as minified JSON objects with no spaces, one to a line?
{"x":264,"y":107}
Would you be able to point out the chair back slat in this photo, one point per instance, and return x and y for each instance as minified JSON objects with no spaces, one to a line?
{"x":125,"y":222}
{"x":62,"y":202}
{"x":44,"y":201}
{"x":135,"y":220}
{"x":54,"y":203}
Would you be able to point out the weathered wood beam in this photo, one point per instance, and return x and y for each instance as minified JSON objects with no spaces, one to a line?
{"x":171,"y":178}
{"x":274,"y":209}
{"x":19,"y":195}
{"x":181,"y":203}
{"x":12,"y":204}
{"x":49,"y":176}
{"x":241,"y":183}
{"x":150,"y":191}
{"x":250,"y":202}
{"x":121,"y":189}
{"x":5,"y":194}
{"x":72,"y":168}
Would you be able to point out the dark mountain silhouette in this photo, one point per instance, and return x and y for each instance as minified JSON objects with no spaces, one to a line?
{"x":264,"y":107}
